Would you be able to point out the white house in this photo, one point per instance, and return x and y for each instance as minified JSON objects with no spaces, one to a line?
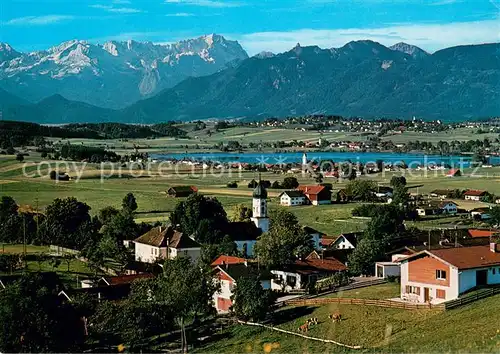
{"x":438,"y":207}
{"x":346,"y":241}
{"x":165,"y":243}
{"x":228,"y":275}
{"x":441,"y":275}
{"x":474,"y":194}
{"x":292,"y":198}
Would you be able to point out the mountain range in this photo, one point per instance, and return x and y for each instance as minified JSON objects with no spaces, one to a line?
{"x":115,"y":74}
{"x":362,"y":78}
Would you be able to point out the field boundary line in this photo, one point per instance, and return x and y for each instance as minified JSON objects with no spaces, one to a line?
{"x":301,"y":335}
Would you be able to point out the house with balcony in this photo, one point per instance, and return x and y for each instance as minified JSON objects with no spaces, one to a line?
{"x":435,"y":276}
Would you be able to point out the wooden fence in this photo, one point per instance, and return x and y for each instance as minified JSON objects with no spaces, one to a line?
{"x":301,"y":335}
{"x":471,"y":298}
{"x":61,"y":251}
{"x":365,"y":302}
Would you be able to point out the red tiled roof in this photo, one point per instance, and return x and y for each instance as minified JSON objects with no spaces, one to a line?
{"x":475,"y":192}
{"x":326,"y":264}
{"x":482,"y":233}
{"x":463,"y":257}
{"x":452,"y":172}
{"x":325,"y":241}
{"x":228,"y":260}
{"x":126,"y":279}
{"x":311,"y":189}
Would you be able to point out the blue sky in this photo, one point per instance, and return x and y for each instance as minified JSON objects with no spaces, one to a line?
{"x":274,"y":25}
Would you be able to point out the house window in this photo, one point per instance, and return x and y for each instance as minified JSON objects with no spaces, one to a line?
{"x":412,"y":290}
{"x":440,"y":274}
{"x":493,"y":270}
{"x":291,"y":280}
{"x":441,"y":294}
{"x":151,"y":251}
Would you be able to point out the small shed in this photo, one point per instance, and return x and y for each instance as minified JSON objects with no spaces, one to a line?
{"x":181,"y":191}
{"x":387,"y":269}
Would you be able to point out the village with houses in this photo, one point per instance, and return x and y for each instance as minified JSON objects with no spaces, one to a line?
{"x":436,"y":251}
{"x":411,"y":251}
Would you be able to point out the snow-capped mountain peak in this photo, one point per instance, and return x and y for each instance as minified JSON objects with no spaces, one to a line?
{"x":409,"y":49}
{"x":142,"y":68}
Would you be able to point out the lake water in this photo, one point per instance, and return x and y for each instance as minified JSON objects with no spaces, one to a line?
{"x":412,"y":160}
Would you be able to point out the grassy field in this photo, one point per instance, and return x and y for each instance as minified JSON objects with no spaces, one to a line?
{"x":154,"y":205}
{"x":383,"y":292}
{"x":246,"y":135}
{"x":473,"y":328}
{"x":70,"y":273}
{"x":30,"y":249}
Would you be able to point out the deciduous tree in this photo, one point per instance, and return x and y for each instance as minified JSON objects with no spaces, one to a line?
{"x":250,"y":300}
{"x":129,"y":203}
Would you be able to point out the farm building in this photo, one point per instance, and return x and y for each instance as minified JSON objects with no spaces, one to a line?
{"x":228,"y":275}
{"x":292,"y":198}
{"x":165,"y":243}
{"x":181,"y":191}
{"x":437,"y":207}
{"x":297,"y":275}
{"x":474,"y":194}
{"x":440,"y":275}
{"x":317,"y":194}
{"x":441,"y":193}
{"x":480,"y":214}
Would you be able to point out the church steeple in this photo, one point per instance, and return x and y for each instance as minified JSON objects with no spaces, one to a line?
{"x":259,"y":207}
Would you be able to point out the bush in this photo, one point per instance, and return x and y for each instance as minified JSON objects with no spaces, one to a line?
{"x":393,"y":279}
{"x":276,"y":185}
{"x":58,"y":177}
{"x":232,"y":185}
{"x":365,"y":210}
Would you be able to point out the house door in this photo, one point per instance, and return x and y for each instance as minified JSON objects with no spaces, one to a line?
{"x":481,"y":277}
{"x":427,"y":297}
{"x":380,"y":271}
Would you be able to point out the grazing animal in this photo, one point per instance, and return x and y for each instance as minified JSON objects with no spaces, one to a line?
{"x":335,"y":317}
{"x":313,"y":320}
{"x":303,"y":328}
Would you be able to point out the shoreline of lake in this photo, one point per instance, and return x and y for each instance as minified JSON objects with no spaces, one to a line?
{"x":296,"y":157}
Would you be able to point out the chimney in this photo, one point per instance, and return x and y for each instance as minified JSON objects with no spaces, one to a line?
{"x":494,"y":247}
